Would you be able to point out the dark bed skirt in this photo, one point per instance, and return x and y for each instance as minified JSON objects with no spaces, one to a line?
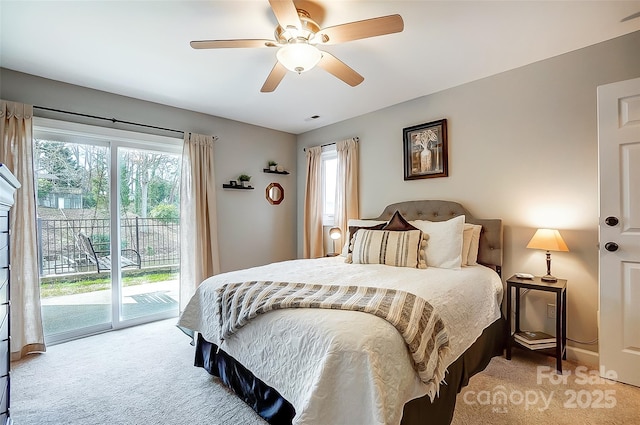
{"x":267,"y":402}
{"x":273,"y":408}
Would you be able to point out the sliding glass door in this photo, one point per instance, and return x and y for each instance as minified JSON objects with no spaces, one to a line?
{"x":74,"y":229}
{"x":108,"y":223}
{"x":149,"y":224}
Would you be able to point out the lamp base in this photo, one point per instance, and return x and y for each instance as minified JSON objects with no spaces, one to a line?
{"x":549,"y":278}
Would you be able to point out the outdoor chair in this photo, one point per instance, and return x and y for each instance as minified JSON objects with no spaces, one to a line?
{"x":102,"y":259}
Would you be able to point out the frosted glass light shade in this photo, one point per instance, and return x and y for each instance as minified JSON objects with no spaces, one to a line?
{"x":299,"y":57}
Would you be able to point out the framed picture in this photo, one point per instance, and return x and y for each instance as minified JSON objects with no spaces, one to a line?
{"x":425,"y":150}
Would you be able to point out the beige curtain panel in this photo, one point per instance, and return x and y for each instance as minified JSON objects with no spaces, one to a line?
{"x":16,"y":152}
{"x":199,"y":254}
{"x":347,"y":204}
{"x":313,"y":245}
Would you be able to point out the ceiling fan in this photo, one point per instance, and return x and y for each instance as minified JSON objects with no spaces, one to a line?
{"x":297,"y":37}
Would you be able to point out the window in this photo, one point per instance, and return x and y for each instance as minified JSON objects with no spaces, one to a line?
{"x":329,"y":177}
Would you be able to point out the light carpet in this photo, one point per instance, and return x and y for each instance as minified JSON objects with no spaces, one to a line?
{"x":145,"y":375}
{"x":142,"y":375}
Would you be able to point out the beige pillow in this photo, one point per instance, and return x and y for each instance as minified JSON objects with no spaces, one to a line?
{"x":393,"y":248}
{"x":472,"y":258}
{"x":444,"y":246}
{"x":466,"y":242}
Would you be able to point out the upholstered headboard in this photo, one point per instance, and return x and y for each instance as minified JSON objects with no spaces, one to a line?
{"x":490,"y":250}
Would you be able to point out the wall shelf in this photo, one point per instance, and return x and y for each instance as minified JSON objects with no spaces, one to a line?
{"x":228,"y":186}
{"x":266,"y":170}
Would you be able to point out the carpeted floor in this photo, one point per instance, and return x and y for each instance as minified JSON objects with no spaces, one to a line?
{"x":144,"y":376}
{"x":526,"y":390}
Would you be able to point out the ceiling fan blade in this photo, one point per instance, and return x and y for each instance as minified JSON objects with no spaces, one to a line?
{"x":361,"y":29}
{"x":339,"y":69}
{"x":275,"y":76}
{"x":286,"y":13}
{"x":227,"y":44}
{"x":630,"y":17}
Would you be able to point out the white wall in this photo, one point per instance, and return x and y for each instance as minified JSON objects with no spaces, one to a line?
{"x":522,"y":147}
{"x":251,"y":231}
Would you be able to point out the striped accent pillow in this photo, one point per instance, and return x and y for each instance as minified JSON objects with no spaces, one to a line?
{"x":393,"y":248}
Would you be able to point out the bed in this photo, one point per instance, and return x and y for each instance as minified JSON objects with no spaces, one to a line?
{"x":318,"y":366}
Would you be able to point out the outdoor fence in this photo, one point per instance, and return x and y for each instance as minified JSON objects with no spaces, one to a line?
{"x":156,"y":240}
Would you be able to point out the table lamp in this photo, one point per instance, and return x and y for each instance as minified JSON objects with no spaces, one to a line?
{"x":335,"y":233}
{"x":549,"y":240}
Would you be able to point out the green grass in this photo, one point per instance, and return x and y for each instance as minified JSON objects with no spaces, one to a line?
{"x":99,"y":283}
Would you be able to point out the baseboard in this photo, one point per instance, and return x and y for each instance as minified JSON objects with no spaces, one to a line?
{"x":580,"y":355}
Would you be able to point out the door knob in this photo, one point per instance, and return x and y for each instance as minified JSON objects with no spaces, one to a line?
{"x":611,"y":221}
{"x":611,"y":246}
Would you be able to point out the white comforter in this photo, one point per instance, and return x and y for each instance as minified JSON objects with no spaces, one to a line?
{"x":346,"y":367}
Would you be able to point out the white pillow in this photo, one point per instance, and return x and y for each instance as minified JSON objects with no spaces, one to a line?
{"x":444,"y":245}
{"x":360,"y":223}
{"x":472,"y":258}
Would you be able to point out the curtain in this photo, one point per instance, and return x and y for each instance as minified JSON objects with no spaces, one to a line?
{"x":347,"y":205}
{"x":16,"y":152}
{"x":313,"y":245}
{"x":199,"y":254}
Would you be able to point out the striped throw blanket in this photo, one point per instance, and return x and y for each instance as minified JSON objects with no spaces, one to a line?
{"x":423,"y":331}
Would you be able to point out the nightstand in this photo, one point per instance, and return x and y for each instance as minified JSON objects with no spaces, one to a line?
{"x":536,"y":284}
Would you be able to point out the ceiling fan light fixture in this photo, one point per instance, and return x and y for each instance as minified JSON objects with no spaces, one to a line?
{"x":299,"y":57}
{"x":297,"y":36}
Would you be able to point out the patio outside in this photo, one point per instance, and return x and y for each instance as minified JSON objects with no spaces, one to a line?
{"x":62,"y":313}
{"x":75,"y":295}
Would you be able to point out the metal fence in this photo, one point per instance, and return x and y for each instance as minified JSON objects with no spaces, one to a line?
{"x":156,"y":240}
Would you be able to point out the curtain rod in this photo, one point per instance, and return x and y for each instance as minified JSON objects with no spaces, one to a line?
{"x":113,"y":120}
{"x":357,"y":139}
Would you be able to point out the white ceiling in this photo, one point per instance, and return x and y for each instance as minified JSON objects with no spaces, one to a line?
{"x":141,"y":49}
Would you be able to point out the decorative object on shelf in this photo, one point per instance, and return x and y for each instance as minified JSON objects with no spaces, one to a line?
{"x":535,"y":340}
{"x":273,"y":165}
{"x":335,"y":233}
{"x":244,"y":180}
{"x":236,"y":186}
{"x":274,"y":193}
{"x":233,"y":183}
{"x":549,"y":240}
{"x":425,"y":150}
{"x":279,"y":170}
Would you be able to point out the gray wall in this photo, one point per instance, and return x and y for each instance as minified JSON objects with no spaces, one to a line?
{"x":251,"y":231}
{"x":522,"y":147}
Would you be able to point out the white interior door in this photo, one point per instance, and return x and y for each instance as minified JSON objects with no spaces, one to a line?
{"x":619,"y":162}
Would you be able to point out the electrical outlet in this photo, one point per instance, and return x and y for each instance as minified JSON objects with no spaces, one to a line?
{"x":551,"y":311}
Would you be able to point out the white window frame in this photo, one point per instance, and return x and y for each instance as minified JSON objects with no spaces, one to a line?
{"x":328,"y":153}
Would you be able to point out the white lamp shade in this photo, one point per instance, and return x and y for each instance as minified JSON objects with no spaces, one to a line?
{"x":299,"y":57}
{"x":335,"y":233}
